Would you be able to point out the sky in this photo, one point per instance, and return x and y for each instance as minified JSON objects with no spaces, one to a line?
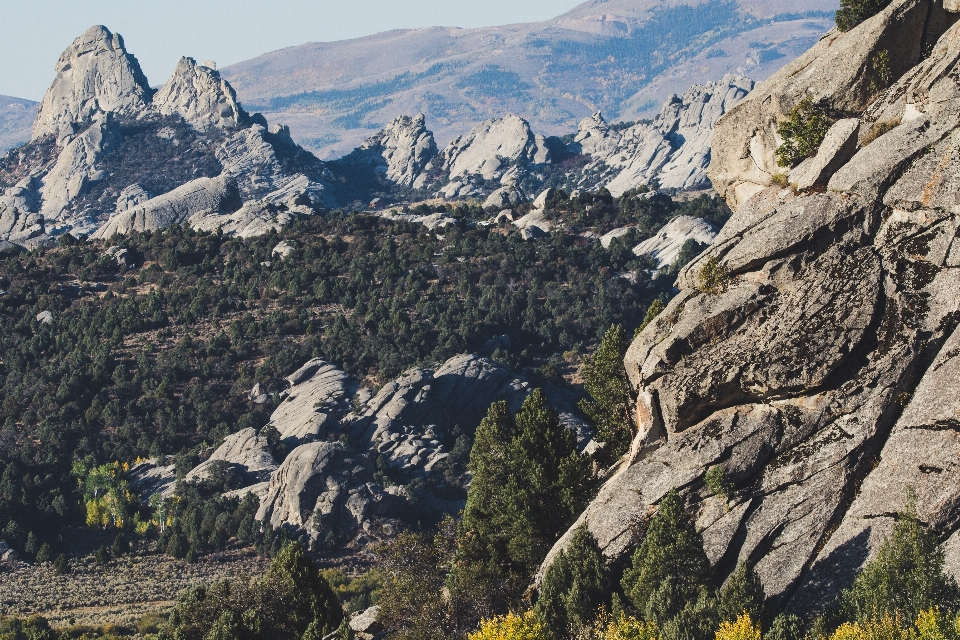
{"x":158,"y":32}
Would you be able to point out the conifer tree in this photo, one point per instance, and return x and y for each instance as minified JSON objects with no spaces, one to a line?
{"x":670,"y":568}
{"x":574,"y":587}
{"x":742,"y":593}
{"x":610,"y":410}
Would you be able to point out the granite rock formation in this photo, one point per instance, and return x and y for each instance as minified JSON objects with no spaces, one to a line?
{"x":821,"y":375}
{"x":201,"y":97}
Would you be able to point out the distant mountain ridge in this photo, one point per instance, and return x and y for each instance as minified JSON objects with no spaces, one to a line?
{"x":624,"y":57}
{"x":16,"y":119}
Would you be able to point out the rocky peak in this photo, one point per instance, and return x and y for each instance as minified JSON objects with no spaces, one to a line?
{"x":673,"y":149}
{"x":95,"y":75}
{"x":199,"y":95}
{"x":491,"y":146}
{"x":406,"y":146}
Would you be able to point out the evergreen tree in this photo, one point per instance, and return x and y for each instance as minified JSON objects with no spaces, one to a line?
{"x":574,"y":586}
{"x":742,"y":593}
{"x":528,"y":483}
{"x":906,"y":577}
{"x":785,"y":626}
{"x":312,"y":599}
{"x":669,"y":568}
{"x":610,"y":410}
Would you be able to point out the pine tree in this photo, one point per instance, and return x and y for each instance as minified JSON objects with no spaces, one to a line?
{"x":670,"y":567}
{"x":611,"y":409}
{"x":574,"y":587}
{"x":312,"y":599}
{"x":529,"y":482}
{"x":742,"y":593}
{"x":906,"y":577}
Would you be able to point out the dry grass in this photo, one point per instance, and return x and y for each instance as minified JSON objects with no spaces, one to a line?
{"x":878,"y":129}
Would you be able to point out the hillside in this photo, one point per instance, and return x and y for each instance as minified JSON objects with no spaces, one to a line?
{"x":16,"y":119}
{"x":623,"y":57}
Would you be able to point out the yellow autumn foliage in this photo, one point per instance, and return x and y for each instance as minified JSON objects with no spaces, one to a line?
{"x":743,"y":628}
{"x":511,"y":627}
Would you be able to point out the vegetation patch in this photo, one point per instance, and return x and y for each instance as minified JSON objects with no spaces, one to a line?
{"x":802,"y":132}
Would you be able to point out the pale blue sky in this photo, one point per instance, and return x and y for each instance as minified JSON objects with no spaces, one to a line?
{"x":158,"y":32}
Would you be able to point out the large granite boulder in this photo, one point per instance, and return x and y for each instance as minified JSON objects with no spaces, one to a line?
{"x":315,"y":400}
{"x":200,"y":96}
{"x":95,"y":76}
{"x":246,"y":452}
{"x":176,"y":207}
{"x":665,"y":246}
{"x":820,"y":372}
{"x":491,"y":147}
{"x":403,"y":149}
{"x":841,"y":73}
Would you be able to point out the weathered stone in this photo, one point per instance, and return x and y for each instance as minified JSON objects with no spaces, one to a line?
{"x":317,"y":393}
{"x":95,"y":76}
{"x":246,"y":452}
{"x":489,"y":148}
{"x":836,"y":73}
{"x":837,"y":148}
{"x":178,"y":206}
{"x":200,"y":96}
{"x":665,"y":246}
{"x":404,"y":148}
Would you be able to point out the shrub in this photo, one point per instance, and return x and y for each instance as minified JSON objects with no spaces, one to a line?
{"x":511,"y":627}
{"x":802,"y":132}
{"x":121,"y":545}
{"x":786,"y":626}
{"x":103,"y":555}
{"x":656,"y":308}
{"x":44,"y":554}
{"x":743,"y":594}
{"x":670,"y":567}
{"x":574,"y":586}
{"x":628,"y":628}
{"x":743,"y":628}
{"x":718,"y":484}
{"x":878,"y":129}
{"x":61,"y":565}
{"x":853,"y":12}
{"x":713,"y":277}
{"x":780,"y":180}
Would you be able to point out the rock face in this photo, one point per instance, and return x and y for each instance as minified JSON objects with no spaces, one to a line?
{"x":200,"y":96}
{"x":404,"y":148}
{"x":98,"y":101}
{"x":326,"y":485}
{"x":673,"y":149}
{"x":665,"y":246}
{"x":840,"y":73}
{"x":95,"y":75}
{"x":219,"y":195}
{"x":822,"y":379}
{"x":244,"y":450}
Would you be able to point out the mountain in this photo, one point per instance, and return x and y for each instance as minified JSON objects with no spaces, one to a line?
{"x":16,"y":120}
{"x":111,"y":155}
{"x":813,"y":351}
{"x":622,"y":57}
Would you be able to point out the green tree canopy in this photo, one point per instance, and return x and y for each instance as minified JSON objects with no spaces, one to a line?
{"x":574,"y":587}
{"x":610,"y":409}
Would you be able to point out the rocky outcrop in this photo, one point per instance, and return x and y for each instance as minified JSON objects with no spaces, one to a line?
{"x":666,"y":244}
{"x":98,"y":106}
{"x":246,"y":452}
{"x":494,"y":150}
{"x":328,"y":488}
{"x":842,"y":73}
{"x":178,"y":206}
{"x":674,"y":149}
{"x":95,"y":76}
{"x":316,"y":398}
{"x":402,"y":150}
{"x":821,"y":377}
{"x":200,"y":96}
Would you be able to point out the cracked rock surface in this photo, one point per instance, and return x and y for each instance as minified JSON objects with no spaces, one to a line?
{"x":821,"y":375}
